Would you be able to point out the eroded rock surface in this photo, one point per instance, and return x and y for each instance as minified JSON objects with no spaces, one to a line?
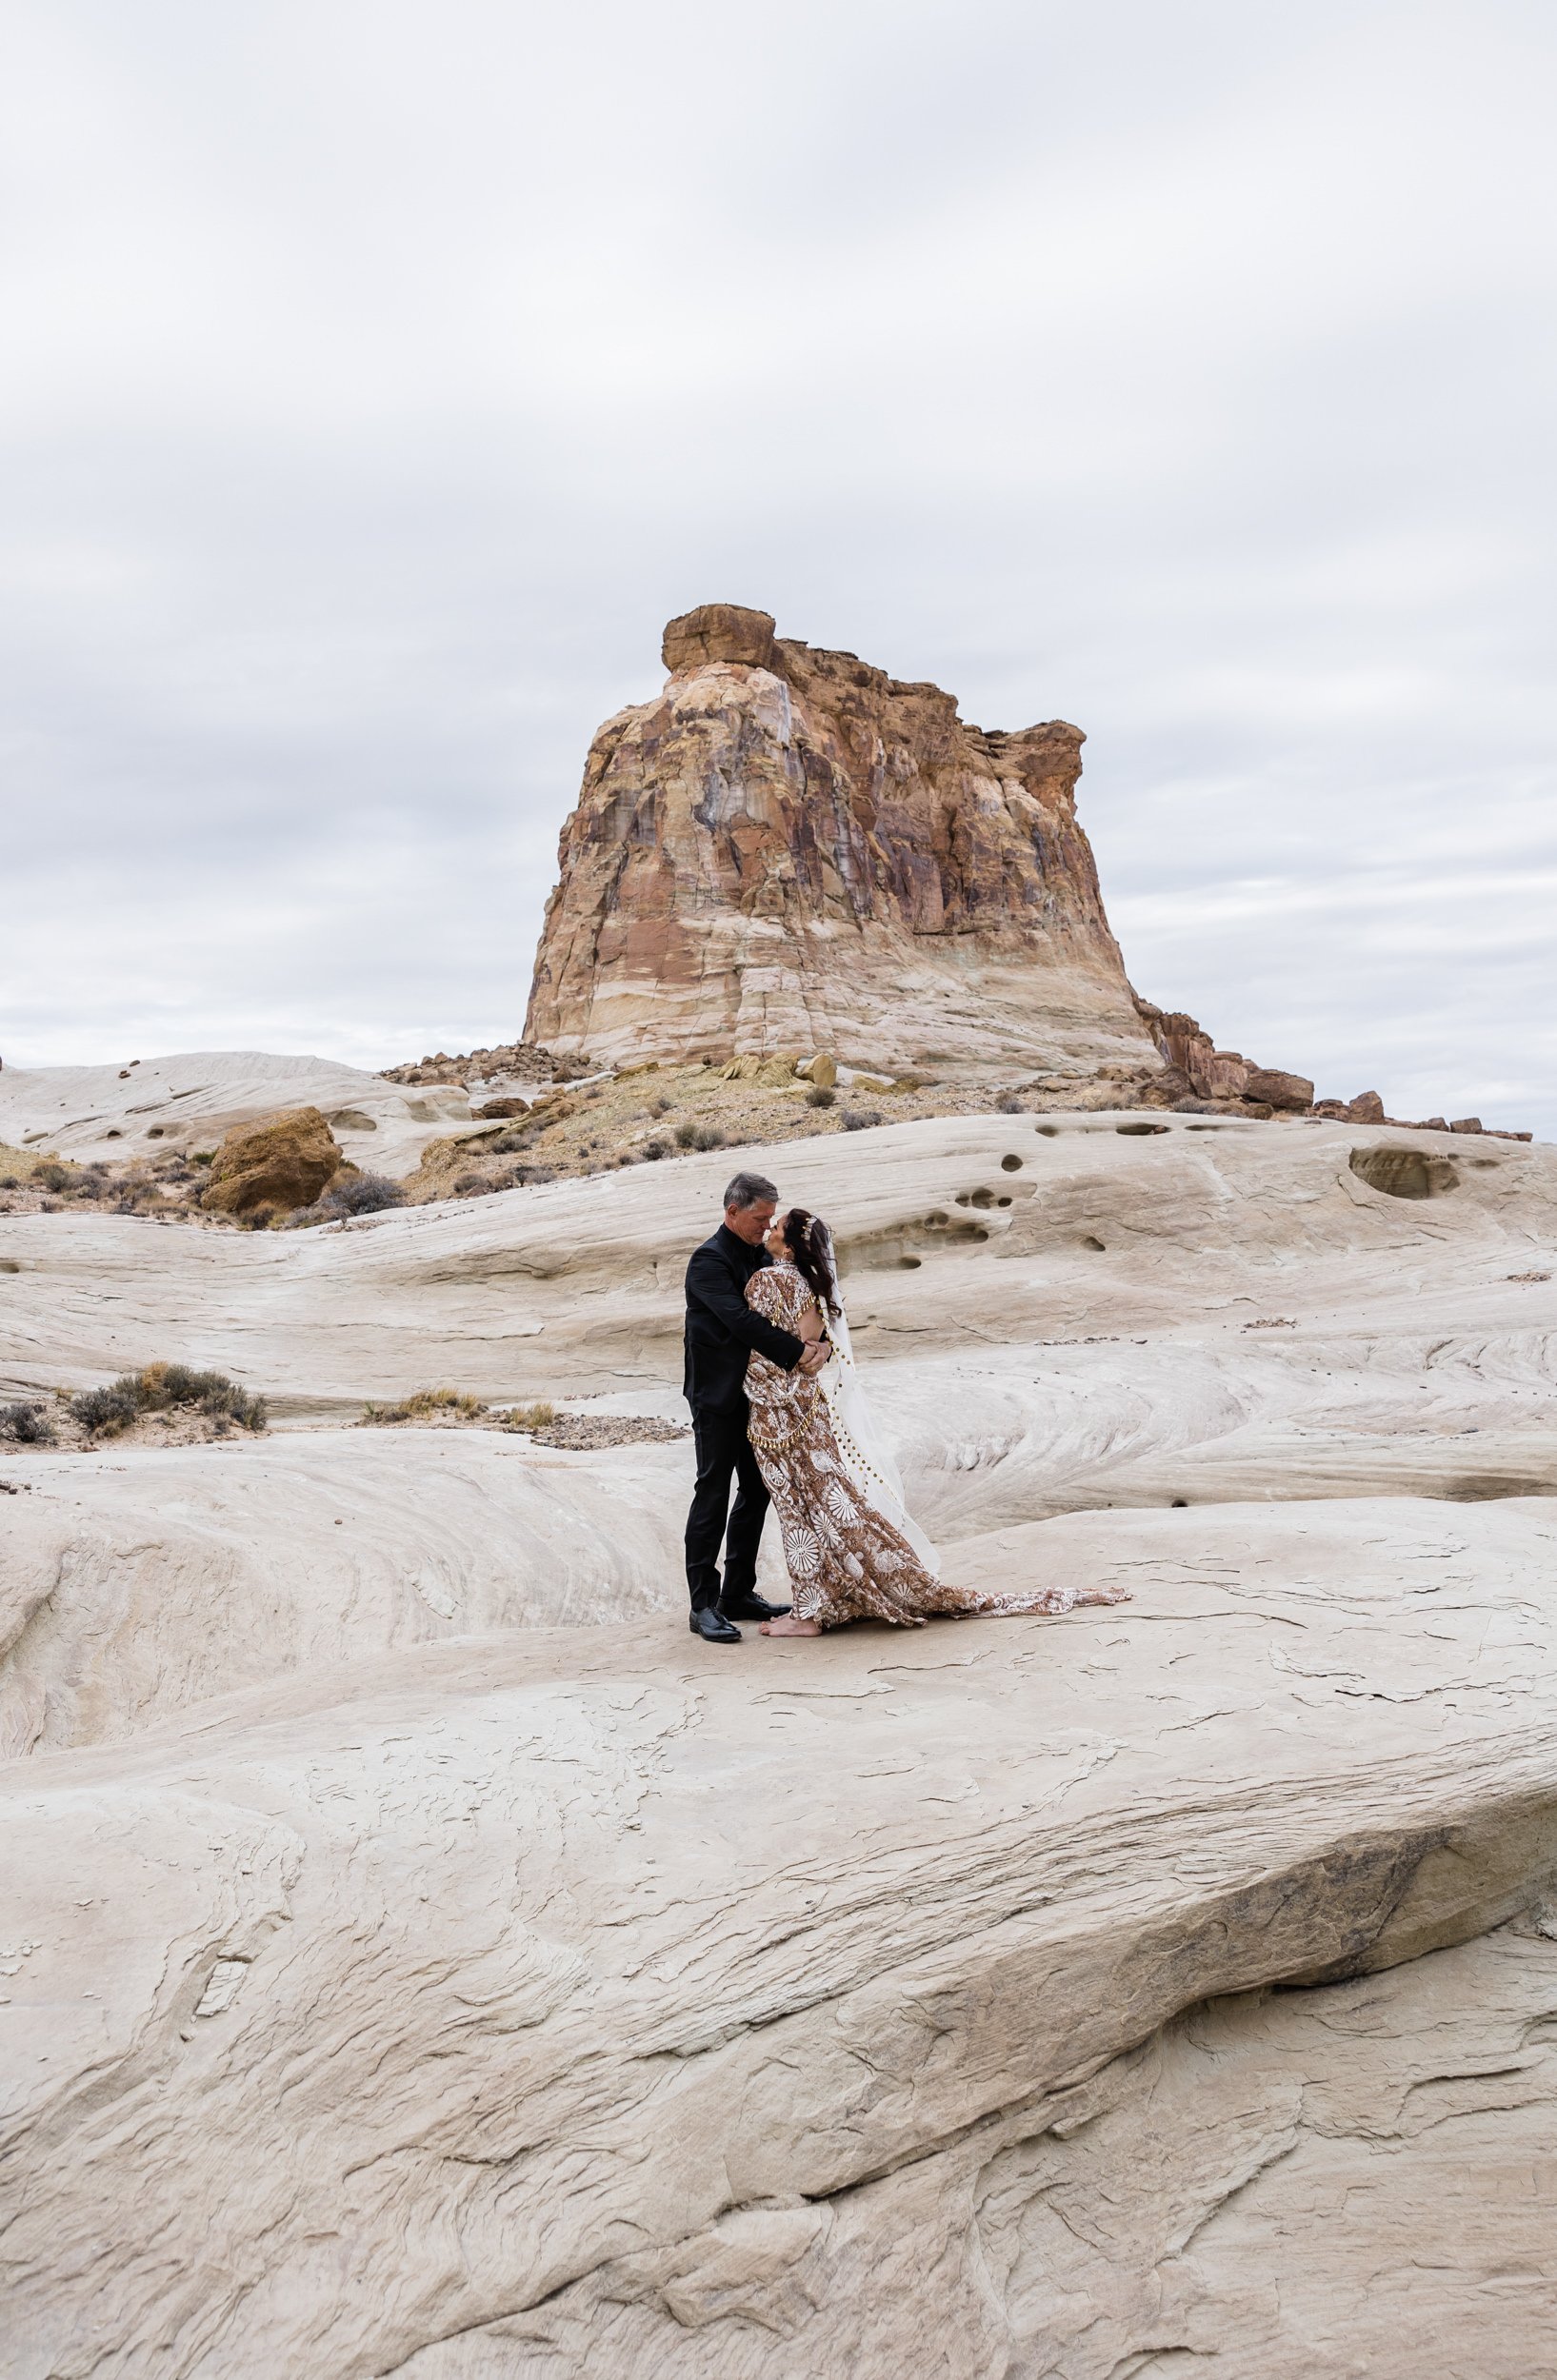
{"x":190,"y":1101}
{"x":419,"y":1958}
{"x":521,"y":2003}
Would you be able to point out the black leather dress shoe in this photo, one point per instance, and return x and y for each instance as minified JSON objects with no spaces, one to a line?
{"x":752,"y":1606}
{"x":713,"y":1628}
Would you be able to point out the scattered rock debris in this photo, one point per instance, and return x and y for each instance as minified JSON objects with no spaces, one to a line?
{"x":584,"y":1433}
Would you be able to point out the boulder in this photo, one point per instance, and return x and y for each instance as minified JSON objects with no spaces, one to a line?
{"x":1291,"y":1093}
{"x":1186,"y":1048}
{"x":1367,"y":1108}
{"x":1168,"y":1088}
{"x":823,"y":1071}
{"x":1467,"y":1124}
{"x":281,"y":1163}
{"x":719,"y":632}
{"x":770,"y":1072}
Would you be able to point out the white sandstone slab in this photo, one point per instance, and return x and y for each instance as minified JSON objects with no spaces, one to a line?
{"x":388,"y":2002}
{"x":187,"y":1102}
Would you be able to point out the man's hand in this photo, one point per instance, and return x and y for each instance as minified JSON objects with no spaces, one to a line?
{"x":814,"y":1358}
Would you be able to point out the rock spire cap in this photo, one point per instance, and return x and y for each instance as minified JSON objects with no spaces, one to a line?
{"x":719,"y":632}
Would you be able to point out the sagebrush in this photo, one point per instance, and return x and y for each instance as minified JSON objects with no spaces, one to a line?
{"x":26,"y":1425}
{"x":163,"y":1388}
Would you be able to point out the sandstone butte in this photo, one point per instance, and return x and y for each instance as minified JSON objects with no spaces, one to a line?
{"x":789,"y":850}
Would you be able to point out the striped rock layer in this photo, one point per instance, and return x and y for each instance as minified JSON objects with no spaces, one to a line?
{"x":788,"y":850}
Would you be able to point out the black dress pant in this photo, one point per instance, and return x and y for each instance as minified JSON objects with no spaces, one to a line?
{"x":724,"y":1451}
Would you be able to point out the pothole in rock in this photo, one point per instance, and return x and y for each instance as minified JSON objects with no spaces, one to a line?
{"x":1404,"y":1173}
{"x":1089,"y":1241}
{"x":1010,"y":1165}
{"x":1490,"y":1487}
{"x":1139,"y":1132}
{"x":904,"y":1247}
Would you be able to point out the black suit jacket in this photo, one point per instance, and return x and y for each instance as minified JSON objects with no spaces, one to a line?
{"x":721,"y":1328}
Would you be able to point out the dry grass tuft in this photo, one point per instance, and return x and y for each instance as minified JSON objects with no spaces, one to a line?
{"x":427,"y":1404}
{"x":541,"y":1415}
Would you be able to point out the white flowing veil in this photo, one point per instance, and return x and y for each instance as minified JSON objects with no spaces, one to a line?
{"x":867,"y":1456}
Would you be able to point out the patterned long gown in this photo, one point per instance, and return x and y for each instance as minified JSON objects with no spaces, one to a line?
{"x":844,"y":1559}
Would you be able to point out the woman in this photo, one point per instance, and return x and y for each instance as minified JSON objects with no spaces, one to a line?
{"x":852,"y":1550}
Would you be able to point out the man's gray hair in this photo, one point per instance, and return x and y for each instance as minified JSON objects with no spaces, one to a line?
{"x":749,"y":1190}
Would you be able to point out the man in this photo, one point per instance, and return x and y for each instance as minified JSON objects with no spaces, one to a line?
{"x":721,"y":1332}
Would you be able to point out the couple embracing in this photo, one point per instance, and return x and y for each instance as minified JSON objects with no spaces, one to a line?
{"x":778,"y":1407}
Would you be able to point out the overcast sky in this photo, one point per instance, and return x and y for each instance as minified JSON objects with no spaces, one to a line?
{"x":378,"y":378}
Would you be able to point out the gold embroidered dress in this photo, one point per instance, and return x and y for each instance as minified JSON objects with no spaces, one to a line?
{"x":846,"y":1559}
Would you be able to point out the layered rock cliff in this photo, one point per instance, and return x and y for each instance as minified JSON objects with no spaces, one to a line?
{"x":789,"y":850}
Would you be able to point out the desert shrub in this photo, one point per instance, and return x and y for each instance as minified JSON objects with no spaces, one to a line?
{"x":425,"y":1404}
{"x":654,"y":1150}
{"x":1008,"y":1105}
{"x":203,"y":1156}
{"x":860,"y":1119}
{"x":818,"y":1096}
{"x":161,"y":1387}
{"x":50,"y":1175}
{"x":26,"y":1425}
{"x":661,"y":1107}
{"x":686,"y":1135}
{"x":107,"y":1410}
{"x":505,"y":1143}
{"x":212,"y":1391}
{"x":8,"y":1181}
{"x":360,"y":1194}
{"x":537,"y":1416}
{"x":470,"y":1185}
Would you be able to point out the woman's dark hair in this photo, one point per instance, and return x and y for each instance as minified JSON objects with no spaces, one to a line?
{"x":809,"y":1243}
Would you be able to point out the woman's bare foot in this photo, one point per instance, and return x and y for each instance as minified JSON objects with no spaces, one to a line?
{"x":789,"y":1626}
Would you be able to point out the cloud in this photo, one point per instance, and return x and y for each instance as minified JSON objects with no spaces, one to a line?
{"x":382,"y":379}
